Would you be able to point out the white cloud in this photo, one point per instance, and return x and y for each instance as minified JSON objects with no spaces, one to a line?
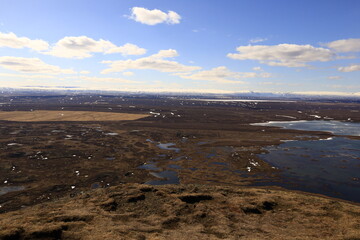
{"x":84,"y":72}
{"x":289,"y":55}
{"x":154,"y":62}
{"x":153,"y":17}
{"x":111,"y":80}
{"x":256,"y":40}
{"x":27,"y":76}
{"x":12,"y":41}
{"x":169,"y":53}
{"x":222,"y":75}
{"x":324,"y":93}
{"x":31,"y":65}
{"x":345,"y":45}
{"x":127,"y":49}
{"x":351,"y":68}
{"x":257,"y":69}
{"x":128,"y":74}
{"x":83,"y":47}
{"x":334,"y":77}
{"x":79,"y":47}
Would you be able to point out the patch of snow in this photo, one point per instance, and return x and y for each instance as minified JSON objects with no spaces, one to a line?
{"x":286,"y":116}
{"x":315,"y":116}
{"x":14,"y":144}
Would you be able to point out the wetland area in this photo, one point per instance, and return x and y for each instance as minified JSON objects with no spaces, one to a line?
{"x":60,"y":149}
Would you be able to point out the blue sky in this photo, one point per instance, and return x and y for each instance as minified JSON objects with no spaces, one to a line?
{"x":200,"y":46}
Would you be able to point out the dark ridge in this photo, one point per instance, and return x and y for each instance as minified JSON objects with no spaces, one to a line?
{"x":195,"y":198}
{"x":137,"y":198}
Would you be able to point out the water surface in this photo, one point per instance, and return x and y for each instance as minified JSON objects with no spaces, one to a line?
{"x":166,"y":177}
{"x":327,"y":167}
{"x":168,"y":146}
{"x":335,"y":127}
{"x":7,"y":189}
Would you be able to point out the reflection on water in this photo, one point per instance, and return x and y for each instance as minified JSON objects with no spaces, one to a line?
{"x":149,"y":166}
{"x":220,"y":163}
{"x":167,"y":177}
{"x":240,"y":100}
{"x":335,"y":127}
{"x":4,"y":190}
{"x":95,"y":185}
{"x":174,"y":166}
{"x":167,"y":146}
{"x":327,"y":167}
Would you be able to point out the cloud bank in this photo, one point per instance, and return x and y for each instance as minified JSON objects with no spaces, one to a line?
{"x":153,"y":62}
{"x":222,"y":75}
{"x":288,"y":55}
{"x":31,"y":65}
{"x":12,"y":41}
{"x":83,"y":47}
{"x":345,"y":45}
{"x":351,"y":68}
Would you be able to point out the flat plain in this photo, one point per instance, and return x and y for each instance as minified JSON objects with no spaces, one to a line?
{"x":111,"y":143}
{"x":67,"y":116}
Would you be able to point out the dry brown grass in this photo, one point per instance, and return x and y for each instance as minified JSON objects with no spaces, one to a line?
{"x":58,"y":116}
{"x":132,"y":211}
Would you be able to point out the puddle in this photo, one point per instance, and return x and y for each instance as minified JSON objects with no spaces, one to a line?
{"x":174,"y":166}
{"x":167,"y":177}
{"x":219,"y":163}
{"x":180,"y":158}
{"x":210,"y":155}
{"x":335,"y":127}
{"x":5,"y":190}
{"x":95,"y":185}
{"x":329,"y":167}
{"x":149,"y":166}
{"x":110,"y":158}
{"x":167,"y":146}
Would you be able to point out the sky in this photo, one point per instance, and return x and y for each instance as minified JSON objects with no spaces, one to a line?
{"x":303,"y":46}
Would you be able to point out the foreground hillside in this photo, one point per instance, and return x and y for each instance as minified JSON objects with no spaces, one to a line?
{"x":135,"y":211}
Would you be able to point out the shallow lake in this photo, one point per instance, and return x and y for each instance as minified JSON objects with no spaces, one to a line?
{"x":330,"y":167}
{"x":335,"y":127}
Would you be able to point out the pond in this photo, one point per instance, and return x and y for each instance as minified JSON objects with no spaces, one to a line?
{"x":329,"y":167}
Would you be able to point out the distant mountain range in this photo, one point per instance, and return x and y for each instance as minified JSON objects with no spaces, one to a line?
{"x":73,"y":90}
